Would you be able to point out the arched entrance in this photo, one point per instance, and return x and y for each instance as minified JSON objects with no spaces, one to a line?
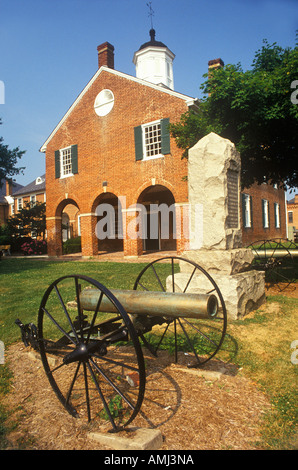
{"x":159,"y":219}
{"x":109,"y":226}
{"x":70,"y":221}
{"x":62,"y":225}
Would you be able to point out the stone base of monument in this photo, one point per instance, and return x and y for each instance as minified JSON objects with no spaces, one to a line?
{"x":215,"y":261}
{"x":242,"y":292}
{"x":215,"y":235}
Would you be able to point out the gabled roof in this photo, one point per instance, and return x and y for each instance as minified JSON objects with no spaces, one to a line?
{"x":188,"y":99}
{"x":39,"y":184}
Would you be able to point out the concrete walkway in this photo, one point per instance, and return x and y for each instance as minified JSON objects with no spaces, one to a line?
{"x":115,"y":257}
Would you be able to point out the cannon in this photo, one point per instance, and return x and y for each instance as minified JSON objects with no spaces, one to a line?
{"x":91,"y":338}
{"x":278,"y":258}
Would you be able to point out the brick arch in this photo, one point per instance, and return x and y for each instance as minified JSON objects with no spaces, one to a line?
{"x":63,"y":203}
{"x":158,"y":228}
{"x":101,"y":197}
{"x":110,"y":223}
{"x":158,"y":182}
{"x":68,"y":209}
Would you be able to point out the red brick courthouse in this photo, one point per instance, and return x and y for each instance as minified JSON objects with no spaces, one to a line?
{"x":113,"y":149}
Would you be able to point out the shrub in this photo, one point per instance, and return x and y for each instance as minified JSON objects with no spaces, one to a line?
{"x":4,"y":240}
{"x":17,"y":242}
{"x":73,"y":245}
{"x":5,"y":237}
{"x":34,"y":247}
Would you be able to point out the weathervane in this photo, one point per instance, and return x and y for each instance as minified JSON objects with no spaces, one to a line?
{"x":151,"y":13}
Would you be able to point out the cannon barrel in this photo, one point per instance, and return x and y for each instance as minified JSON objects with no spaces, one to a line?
{"x":151,"y":303}
{"x":274,"y":253}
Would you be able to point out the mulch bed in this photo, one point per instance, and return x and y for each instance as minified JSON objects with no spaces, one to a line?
{"x":192,"y":411}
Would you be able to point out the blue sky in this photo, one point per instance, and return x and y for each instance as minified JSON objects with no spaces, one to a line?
{"x":48,"y":51}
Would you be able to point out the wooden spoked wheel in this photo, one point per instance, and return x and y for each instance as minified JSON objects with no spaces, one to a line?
{"x":85,"y":354}
{"x":192,"y":341}
{"x":276,"y":259}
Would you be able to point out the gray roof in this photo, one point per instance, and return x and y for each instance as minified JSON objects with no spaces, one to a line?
{"x":292,"y":201}
{"x":32,"y":187}
{"x":15,"y":187}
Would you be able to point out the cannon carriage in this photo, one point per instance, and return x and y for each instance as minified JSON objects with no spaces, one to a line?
{"x":91,"y":338}
{"x":277,"y":257}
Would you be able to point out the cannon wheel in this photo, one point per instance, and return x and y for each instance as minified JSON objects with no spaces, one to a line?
{"x":199,"y":340}
{"x":93,"y":376}
{"x":274,"y":257}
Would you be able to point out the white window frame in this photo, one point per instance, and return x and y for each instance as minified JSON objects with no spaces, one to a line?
{"x":277,"y":215}
{"x":79,"y":225}
{"x":33,"y":200}
{"x":20,"y":203}
{"x":104,"y":102}
{"x":63,"y":174}
{"x":147,"y":144}
{"x":265,"y":203}
{"x":290,"y":217}
{"x":247,"y":211}
{"x":39,"y":180}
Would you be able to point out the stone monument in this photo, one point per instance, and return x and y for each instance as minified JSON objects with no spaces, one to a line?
{"x":216,"y":241}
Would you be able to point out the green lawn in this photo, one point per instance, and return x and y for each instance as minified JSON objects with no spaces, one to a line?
{"x":24,"y":281}
{"x":263,"y":339}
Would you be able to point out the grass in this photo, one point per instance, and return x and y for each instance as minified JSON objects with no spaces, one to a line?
{"x":264,"y":352}
{"x":261,"y":342}
{"x":24,"y":281}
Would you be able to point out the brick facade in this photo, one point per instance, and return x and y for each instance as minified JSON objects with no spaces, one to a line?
{"x":106,"y":157}
{"x":257,"y":231}
{"x":36,"y":189}
{"x":3,"y":213}
{"x":107,"y":169}
{"x":292,"y":214}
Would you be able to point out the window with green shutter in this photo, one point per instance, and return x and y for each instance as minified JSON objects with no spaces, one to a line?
{"x":152,"y":140}
{"x":66,"y":161}
{"x":57,"y":164}
{"x":74,"y":159}
{"x":138,"y":143}
{"x":165,"y":136}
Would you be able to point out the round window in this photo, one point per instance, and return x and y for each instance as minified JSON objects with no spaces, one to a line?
{"x":104,"y":102}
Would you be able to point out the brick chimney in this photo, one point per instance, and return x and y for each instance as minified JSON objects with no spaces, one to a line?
{"x":106,"y":55}
{"x":8,"y":188}
{"x":215,"y":64}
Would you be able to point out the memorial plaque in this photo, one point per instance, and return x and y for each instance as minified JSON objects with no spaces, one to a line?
{"x":233,"y":199}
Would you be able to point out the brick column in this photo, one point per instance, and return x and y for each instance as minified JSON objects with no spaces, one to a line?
{"x":89,"y":239}
{"x":54,"y":236}
{"x":132,"y":242}
{"x":182,"y":227}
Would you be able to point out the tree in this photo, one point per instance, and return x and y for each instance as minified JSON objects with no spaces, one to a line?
{"x":8,"y":161}
{"x":254,"y":109}
{"x":30,"y":219}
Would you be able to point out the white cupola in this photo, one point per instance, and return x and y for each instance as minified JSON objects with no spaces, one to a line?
{"x":154,"y":62}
